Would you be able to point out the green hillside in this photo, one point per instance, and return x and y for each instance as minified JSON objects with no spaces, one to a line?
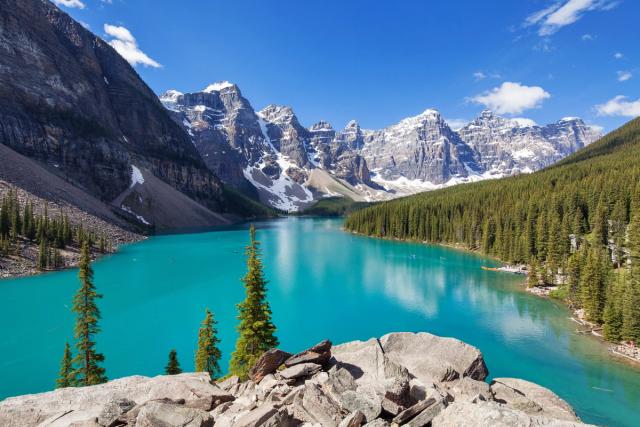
{"x":574,"y":223}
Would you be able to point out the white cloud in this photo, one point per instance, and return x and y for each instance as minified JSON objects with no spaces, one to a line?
{"x":619,"y":106}
{"x":127,"y":46}
{"x":512,"y":98}
{"x":479,"y":75}
{"x":566,"y":12}
{"x":456,"y":124}
{"x":618,"y":55}
{"x":587,"y":37}
{"x":623,"y":76}
{"x":70,"y":3}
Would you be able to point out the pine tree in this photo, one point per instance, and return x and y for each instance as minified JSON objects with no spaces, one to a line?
{"x":256,"y":329}
{"x":43,"y":251}
{"x":66,"y":376}
{"x":208,"y":355}
{"x":87,"y":360}
{"x":631,"y":305}
{"x":613,"y":310}
{"x":173,"y":366}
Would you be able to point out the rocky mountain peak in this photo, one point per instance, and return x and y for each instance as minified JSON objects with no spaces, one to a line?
{"x":278,"y":114}
{"x":321,"y":126}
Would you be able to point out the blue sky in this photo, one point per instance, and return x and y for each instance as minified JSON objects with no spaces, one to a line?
{"x":381,"y":61}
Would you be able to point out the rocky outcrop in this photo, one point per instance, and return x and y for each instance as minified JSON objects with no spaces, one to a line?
{"x":394,"y":380}
{"x":71,"y":102}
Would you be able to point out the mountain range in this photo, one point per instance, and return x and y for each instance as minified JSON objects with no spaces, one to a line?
{"x":271,"y":155}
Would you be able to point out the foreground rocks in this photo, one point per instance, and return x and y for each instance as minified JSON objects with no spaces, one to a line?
{"x":400,"y":379}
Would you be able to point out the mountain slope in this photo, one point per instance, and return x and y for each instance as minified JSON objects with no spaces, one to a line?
{"x":70,"y":101}
{"x":271,"y":153}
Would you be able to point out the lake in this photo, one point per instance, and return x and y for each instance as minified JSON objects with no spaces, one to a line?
{"x":324,"y":283}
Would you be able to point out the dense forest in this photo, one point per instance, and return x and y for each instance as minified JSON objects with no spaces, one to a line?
{"x":575,"y":224}
{"x":20,"y":225}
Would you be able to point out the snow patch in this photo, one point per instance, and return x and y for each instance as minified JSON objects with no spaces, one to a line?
{"x":136,"y":176}
{"x":139,"y":217}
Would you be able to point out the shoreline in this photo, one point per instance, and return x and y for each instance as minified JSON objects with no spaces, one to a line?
{"x":623,"y":352}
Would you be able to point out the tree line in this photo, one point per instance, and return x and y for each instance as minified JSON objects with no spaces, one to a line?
{"x":19,"y":224}
{"x":576,"y":225}
{"x":256,"y":329}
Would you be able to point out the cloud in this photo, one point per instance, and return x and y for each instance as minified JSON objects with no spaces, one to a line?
{"x":619,"y":106}
{"x":587,"y":37}
{"x":126,"y":45}
{"x":566,"y":12}
{"x":623,"y":76}
{"x":456,"y":124}
{"x":512,"y":98}
{"x":479,"y":75}
{"x":618,"y":55}
{"x":77,"y":4}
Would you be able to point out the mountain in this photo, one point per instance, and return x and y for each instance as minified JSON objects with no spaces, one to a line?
{"x":289,"y":166}
{"x":71,"y":102}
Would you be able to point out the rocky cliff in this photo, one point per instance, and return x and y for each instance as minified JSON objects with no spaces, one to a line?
{"x":399,"y":379}
{"x":71,"y":102}
{"x":291,"y":166}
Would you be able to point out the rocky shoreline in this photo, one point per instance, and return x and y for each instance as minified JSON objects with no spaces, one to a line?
{"x":412,"y":379}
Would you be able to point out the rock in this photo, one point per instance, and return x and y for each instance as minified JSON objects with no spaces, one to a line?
{"x":320,"y":406}
{"x":491,"y":414}
{"x":205,"y":403}
{"x":390,"y":407}
{"x":30,"y":410}
{"x":319,"y":353}
{"x":258,"y":417}
{"x":354,"y":419}
{"x":302,"y":370}
{"x":433,"y":359}
{"x":469,"y":389}
{"x":377,"y":423}
{"x":268,"y":363}
{"x":414,"y":410}
{"x":361,"y":400}
{"x":155,"y":414}
{"x":425,"y":417}
{"x":531,"y":398}
{"x":228,"y":383}
{"x":113,"y":410}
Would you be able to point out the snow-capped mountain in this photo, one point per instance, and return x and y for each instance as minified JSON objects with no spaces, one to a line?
{"x":288,"y":166}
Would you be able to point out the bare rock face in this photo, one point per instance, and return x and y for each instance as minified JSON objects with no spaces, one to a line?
{"x":531,"y":398}
{"x":71,"y":102}
{"x":433,"y":359}
{"x":393,"y":380}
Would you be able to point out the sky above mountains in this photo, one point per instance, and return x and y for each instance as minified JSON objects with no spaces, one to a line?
{"x":378,"y":62}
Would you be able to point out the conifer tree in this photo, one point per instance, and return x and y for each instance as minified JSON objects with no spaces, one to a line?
{"x":208,"y":355}
{"x":256,"y":329}
{"x":87,"y":360}
{"x":66,"y":376}
{"x":173,"y":366}
{"x":613,"y":310}
{"x":631,"y":307}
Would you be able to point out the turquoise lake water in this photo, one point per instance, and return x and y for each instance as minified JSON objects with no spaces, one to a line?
{"x":324,"y":283}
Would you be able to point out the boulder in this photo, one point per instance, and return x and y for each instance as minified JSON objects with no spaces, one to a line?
{"x":425,"y":417}
{"x":319,"y":353}
{"x":354,"y":419}
{"x":377,"y":423}
{"x":321,"y":407}
{"x":156,"y":413}
{"x":227,"y":383}
{"x":112,"y":411}
{"x":531,"y":398}
{"x":433,"y":359}
{"x":491,"y":414}
{"x":268,"y":363}
{"x":89,"y":402}
{"x":299,"y":371}
{"x":264,"y":415}
{"x":414,"y":410}
{"x":361,"y":400}
{"x":468,"y":389}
